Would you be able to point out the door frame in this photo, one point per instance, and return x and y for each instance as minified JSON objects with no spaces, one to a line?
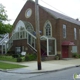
{"x":66,"y":48}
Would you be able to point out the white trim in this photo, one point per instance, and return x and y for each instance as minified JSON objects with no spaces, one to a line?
{"x":18,"y":26}
{"x":45,"y":37}
{"x":31,"y":47}
{"x":34,"y":43}
{"x":21,"y":24}
{"x":47,"y":48}
{"x":75,"y":33}
{"x":2,"y":48}
{"x":50,"y":27}
{"x":55,"y":47}
{"x":28,"y":15}
{"x":28,"y":23}
{"x":51,"y":38}
{"x":31,"y":34}
{"x":64,"y":31}
{"x":30,"y":44}
{"x":5,"y":48}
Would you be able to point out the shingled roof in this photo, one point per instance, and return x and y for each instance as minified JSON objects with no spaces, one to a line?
{"x":61,"y":16}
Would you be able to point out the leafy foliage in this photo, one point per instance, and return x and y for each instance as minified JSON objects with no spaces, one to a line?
{"x":76,"y":55}
{"x":19,"y":59}
{"x":3,"y":15}
{"x":30,"y":57}
{"x":4,"y":28}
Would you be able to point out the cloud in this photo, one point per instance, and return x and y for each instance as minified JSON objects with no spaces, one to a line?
{"x":67,"y":7}
{"x":13,"y":8}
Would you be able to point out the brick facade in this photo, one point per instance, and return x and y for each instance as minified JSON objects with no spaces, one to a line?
{"x":57,"y":27}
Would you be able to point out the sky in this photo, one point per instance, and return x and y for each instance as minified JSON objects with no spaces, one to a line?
{"x":70,"y":8}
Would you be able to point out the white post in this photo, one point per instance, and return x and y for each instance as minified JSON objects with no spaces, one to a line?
{"x":55,"y":47}
{"x":25,"y":34}
{"x":5,"y":48}
{"x":2,"y":48}
{"x":47,"y":47}
{"x":19,"y":34}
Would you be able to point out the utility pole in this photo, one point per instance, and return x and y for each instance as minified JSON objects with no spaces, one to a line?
{"x":37,"y":35}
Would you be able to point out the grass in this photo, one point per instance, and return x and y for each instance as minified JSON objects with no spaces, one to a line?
{"x":7,"y":58}
{"x":4,"y":65}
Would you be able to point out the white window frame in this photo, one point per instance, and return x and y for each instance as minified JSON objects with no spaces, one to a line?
{"x":29,"y":27}
{"x":30,"y":42}
{"x":21,"y":29}
{"x":75,"y":34}
{"x":47,"y":42}
{"x":79,"y":33}
{"x":74,"y":49}
{"x":64,"y":31}
{"x":49,"y":30}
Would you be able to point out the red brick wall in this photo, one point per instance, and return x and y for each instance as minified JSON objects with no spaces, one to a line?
{"x":57,"y":29}
{"x":69,"y":33}
{"x":20,"y":43}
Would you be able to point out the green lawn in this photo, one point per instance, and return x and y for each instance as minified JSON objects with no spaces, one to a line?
{"x":7,"y":58}
{"x":9,"y":66}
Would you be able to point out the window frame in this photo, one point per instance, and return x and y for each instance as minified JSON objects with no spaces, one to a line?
{"x":48,"y":31}
{"x":64,"y":31}
{"x":79,"y":34}
{"x":75,"y":33}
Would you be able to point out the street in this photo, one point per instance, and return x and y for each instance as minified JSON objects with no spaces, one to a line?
{"x":14,"y":76}
{"x":59,"y":75}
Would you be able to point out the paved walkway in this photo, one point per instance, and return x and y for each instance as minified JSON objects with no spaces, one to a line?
{"x":47,"y":66}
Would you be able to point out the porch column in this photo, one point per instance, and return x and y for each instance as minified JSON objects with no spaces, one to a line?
{"x":14,"y":36}
{"x":5,"y":48}
{"x":47,"y":47}
{"x":34,"y":44}
{"x":19,"y":34}
{"x":2,"y":48}
{"x":55,"y":47}
{"x":25,"y":34}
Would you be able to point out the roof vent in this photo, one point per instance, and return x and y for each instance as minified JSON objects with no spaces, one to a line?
{"x":29,"y":0}
{"x":77,"y":19}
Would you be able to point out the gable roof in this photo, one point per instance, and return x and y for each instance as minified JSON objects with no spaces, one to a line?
{"x":57,"y":15}
{"x":61,"y":16}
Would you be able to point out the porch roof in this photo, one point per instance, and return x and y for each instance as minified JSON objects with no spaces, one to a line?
{"x":68,"y":43}
{"x":46,"y":37}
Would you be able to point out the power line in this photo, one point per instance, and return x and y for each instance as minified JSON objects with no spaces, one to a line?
{"x":53,"y":7}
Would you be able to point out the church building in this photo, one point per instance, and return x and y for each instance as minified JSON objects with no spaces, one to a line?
{"x":59,"y":34}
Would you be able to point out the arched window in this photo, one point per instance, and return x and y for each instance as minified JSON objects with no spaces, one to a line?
{"x":29,"y":27}
{"x":21,"y":28}
{"x":47,"y":29}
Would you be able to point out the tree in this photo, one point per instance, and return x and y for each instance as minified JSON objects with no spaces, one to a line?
{"x":4,"y":28}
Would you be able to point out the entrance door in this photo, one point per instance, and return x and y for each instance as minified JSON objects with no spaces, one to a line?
{"x":43,"y":48}
{"x":65,"y":51}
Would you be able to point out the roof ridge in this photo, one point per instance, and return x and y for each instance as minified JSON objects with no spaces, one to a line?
{"x":59,"y":15}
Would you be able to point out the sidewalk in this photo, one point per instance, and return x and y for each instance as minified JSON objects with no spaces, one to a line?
{"x":47,"y":66}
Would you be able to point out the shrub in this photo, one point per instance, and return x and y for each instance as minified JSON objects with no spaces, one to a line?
{"x":10,"y":53}
{"x":79,"y":55}
{"x":15,"y":55}
{"x":30,"y":57}
{"x":57,"y":57}
{"x":75,"y":55}
{"x":19,"y":59}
